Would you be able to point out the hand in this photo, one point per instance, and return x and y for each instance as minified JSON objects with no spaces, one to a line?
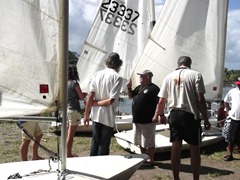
{"x":86,"y":122}
{"x":155,"y":119}
{"x":207,"y":125}
{"x":163,"y":119}
{"x":129,"y":84}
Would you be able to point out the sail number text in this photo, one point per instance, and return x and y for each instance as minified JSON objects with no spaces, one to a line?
{"x":119,"y":15}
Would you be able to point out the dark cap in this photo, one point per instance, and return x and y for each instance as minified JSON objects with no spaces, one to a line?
{"x":114,"y":59}
{"x":237,"y":81}
{"x":146,"y":72}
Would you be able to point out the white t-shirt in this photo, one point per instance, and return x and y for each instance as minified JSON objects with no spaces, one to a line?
{"x":233,"y":97}
{"x":180,"y":88}
{"x":106,"y":84}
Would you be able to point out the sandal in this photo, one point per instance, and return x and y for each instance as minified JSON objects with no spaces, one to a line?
{"x":228,"y":158}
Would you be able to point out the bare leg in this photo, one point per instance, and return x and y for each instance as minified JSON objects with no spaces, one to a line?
{"x":70,"y":135}
{"x":35,"y":147}
{"x":143,"y":150}
{"x":24,"y":149}
{"x":195,"y":161}
{"x":231,"y":148}
{"x":176,"y":158}
{"x":151,"y":152}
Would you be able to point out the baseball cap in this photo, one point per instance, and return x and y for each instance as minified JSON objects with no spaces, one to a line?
{"x":146,"y":72}
{"x":237,"y":81}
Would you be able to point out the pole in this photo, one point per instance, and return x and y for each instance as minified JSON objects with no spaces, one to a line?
{"x":63,"y":69}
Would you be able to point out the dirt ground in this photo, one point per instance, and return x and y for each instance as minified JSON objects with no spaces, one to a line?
{"x":213,"y":166}
{"x":210,"y":169}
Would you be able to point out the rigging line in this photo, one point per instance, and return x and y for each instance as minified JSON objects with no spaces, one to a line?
{"x":52,"y":155}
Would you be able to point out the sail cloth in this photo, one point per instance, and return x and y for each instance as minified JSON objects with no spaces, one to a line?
{"x":193,"y":28}
{"x":29,"y":54}
{"x":120,"y":26}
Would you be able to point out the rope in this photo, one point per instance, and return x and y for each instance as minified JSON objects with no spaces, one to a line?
{"x":52,"y":155}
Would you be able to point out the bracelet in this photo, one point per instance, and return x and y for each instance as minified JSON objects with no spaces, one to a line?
{"x":161,"y":114}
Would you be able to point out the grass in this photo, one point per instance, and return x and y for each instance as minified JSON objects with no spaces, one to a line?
{"x":10,"y":141}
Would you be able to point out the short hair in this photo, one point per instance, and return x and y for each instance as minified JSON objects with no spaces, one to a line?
{"x":185,"y":60}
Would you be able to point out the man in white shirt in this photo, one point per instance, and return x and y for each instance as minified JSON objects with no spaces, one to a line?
{"x":183,"y":90}
{"x":102,"y":101}
{"x":233,"y":97}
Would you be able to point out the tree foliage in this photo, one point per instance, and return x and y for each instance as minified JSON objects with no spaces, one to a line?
{"x":230,"y":76}
{"x":72,"y":57}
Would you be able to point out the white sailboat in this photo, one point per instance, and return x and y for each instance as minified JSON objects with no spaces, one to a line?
{"x":119,"y":26}
{"x":33,"y":80}
{"x":188,"y":27}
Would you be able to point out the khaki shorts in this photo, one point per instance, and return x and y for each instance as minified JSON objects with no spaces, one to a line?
{"x":74,"y":117}
{"x":144,"y":135}
{"x":33,"y":128}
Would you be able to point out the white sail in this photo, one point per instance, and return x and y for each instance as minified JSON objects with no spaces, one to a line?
{"x":29,"y":54}
{"x":120,"y":26}
{"x":188,"y":27}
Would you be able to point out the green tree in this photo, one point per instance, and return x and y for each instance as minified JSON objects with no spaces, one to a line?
{"x":72,"y":57}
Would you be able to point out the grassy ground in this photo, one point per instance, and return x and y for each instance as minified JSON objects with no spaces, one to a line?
{"x":213,"y":166}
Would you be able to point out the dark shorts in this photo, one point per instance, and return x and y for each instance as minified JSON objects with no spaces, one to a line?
{"x":234,"y":131}
{"x":183,"y":126}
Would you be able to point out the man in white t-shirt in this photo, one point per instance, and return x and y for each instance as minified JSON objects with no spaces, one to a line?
{"x":183,"y":90}
{"x":233,"y":97}
{"x":102,"y":102}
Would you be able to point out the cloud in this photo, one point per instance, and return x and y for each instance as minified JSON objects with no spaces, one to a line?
{"x":232,"y":60}
{"x":82,"y":14}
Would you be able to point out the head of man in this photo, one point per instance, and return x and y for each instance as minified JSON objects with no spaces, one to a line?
{"x":184,"y":61}
{"x":113,"y":61}
{"x":145,"y":77}
{"x":238,"y":82}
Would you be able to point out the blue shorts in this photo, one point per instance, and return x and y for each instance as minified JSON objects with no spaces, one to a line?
{"x":183,"y":126}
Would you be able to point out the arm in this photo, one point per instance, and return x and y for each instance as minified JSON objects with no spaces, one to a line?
{"x":201,"y":104}
{"x":160,"y":111}
{"x":227,"y":107}
{"x":81,"y":95}
{"x":89,"y":104}
{"x":129,"y":89}
{"x":105,"y":102}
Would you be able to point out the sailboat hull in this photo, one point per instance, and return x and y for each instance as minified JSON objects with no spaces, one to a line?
{"x":162,"y":140}
{"x":122,"y":123}
{"x":94,"y":167}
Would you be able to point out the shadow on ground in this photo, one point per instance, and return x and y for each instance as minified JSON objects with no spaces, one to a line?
{"x":208,"y":150}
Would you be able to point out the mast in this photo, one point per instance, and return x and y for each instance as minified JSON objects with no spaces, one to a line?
{"x":63,"y":68}
{"x":223,"y":48}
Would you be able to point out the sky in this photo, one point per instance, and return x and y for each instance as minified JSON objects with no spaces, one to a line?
{"x":82,"y":13}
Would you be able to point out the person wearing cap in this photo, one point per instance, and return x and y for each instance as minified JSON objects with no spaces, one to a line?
{"x":143,"y":107}
{"x":233,"y":112}
{"x":102,"y":100}
{"x":183,"y":90}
